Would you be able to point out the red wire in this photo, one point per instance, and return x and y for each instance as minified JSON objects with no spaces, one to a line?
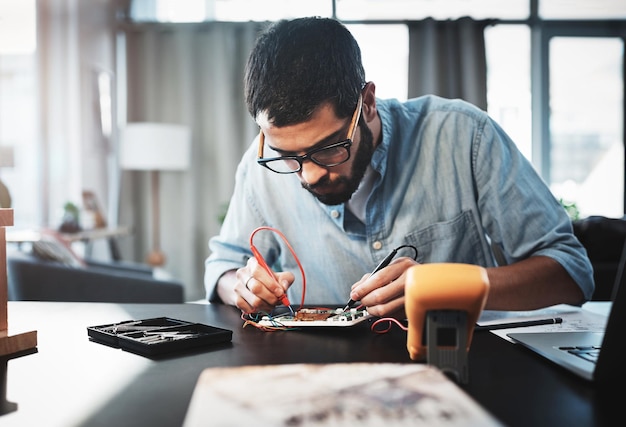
{"x":264,"y":263}
{"x":390,"y":321}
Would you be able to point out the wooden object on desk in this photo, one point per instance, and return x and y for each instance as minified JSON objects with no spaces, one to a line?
{"x":9,"y":344}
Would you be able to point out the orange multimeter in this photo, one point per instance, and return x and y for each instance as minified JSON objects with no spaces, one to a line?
{"x":442,"y":287}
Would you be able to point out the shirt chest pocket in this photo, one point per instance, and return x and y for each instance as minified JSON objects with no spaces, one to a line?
{"x":456,"y":240}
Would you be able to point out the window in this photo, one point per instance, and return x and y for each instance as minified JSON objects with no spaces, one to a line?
{"x":18,"y":107}
{"x":508,"y":82}
{"x":403,"y":10}
{"x":586,"y":123}
{"x":568,"y":118}
{"x":578,"y":94}
{"x":225,"y":10}
{"x":582,"y":9}
{"x":385,"y":53}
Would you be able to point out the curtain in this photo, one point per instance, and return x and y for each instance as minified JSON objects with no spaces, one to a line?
{"x":74,"y":46}
{"x":447,"y":58}
{"x":190,"y":74}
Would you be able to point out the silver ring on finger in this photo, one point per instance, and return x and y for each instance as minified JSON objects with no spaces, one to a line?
{"x":247,"y":281}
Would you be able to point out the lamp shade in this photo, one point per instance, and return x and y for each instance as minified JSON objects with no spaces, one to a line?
{"x":6,"y":157}
{"x":155,"y":146}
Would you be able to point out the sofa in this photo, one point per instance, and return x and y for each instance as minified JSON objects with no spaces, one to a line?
{"x":35,"y":278}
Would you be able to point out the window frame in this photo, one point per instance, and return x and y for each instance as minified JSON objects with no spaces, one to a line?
{"x":541,"y":34}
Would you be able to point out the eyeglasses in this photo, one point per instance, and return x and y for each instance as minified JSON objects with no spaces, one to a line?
{"x":328,"y":156}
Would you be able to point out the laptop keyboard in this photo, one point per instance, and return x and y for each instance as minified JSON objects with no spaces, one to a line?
{"x":590,"y":353}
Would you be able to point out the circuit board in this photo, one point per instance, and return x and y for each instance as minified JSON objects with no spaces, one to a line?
{"x":317,"y":317}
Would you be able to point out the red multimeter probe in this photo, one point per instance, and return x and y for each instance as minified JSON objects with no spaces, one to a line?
{"x":261,"y":261}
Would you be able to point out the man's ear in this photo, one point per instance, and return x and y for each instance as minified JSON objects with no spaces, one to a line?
{"x":369,"y":102}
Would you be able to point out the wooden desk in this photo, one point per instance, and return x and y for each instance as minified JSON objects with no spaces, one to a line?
{"x":71,"y":381}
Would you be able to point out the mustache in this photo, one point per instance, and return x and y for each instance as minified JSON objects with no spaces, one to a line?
{"x":323,"y":182}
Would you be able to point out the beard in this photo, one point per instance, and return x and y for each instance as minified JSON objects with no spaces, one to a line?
{"x":346,"y":185}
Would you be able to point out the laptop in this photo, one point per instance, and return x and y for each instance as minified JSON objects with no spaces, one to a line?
{"x":594,"y":356}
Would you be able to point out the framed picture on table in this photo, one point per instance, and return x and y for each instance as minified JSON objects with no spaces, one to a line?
{"x":91,"y":206}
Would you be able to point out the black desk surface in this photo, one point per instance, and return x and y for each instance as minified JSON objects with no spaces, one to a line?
{"x":71,"y":381}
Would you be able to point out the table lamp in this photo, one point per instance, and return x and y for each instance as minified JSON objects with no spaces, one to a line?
{"x":155,"y":147}
{"x":6,"y":161}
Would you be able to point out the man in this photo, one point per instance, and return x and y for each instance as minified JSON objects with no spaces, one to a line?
{"x":347,"y":178}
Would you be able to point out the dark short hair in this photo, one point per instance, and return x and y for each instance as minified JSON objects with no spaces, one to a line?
{"x":296,"y":65}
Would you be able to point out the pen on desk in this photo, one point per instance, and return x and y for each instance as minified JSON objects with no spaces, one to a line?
{"x":522,"y":324}
{"x":384,"y":263}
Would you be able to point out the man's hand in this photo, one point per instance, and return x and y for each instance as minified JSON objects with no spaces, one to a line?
{"x":383,"y":292}
{"x":256,"y":290}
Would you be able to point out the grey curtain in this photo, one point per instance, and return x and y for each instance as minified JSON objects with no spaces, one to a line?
{"x":447,"y":58}
{"x":190,"y":74}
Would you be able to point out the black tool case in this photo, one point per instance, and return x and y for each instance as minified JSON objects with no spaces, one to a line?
{"x":160,"y":336}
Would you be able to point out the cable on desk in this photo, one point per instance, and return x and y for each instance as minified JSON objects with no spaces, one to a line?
{"x":293,"y":253}
{"x":253,"y":320}
{"x":375,"y":327}
{"x":391,"y":321}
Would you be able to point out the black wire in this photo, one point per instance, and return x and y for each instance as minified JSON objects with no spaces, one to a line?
{"x":407,"y":246}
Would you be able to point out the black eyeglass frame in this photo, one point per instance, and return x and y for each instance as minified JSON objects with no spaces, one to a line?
{"x":346,"y":143}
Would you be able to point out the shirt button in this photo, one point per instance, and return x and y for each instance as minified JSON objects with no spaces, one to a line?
{"x":334,"y":214}
{"x":377,"y":245}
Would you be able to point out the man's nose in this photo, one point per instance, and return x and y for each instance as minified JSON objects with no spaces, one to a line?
{"x":311,"y":172}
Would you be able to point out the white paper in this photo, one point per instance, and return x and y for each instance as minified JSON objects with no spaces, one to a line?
{"x":574,"y":319}
{"x":342,"y":394}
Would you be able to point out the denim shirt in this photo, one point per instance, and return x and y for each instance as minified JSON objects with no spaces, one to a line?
{"x":449,"y":182}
